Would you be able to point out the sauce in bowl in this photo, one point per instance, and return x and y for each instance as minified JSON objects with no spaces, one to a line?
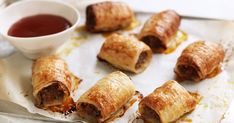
{"x":39,"y":25}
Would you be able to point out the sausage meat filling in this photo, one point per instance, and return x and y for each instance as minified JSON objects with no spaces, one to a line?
{"x":154,"y":43}
{"x":188,"y":72}
{"x":91,"y":110}
{"x":51,"y":95}
{"x":141,"y":60}
{"x":150,"y":115}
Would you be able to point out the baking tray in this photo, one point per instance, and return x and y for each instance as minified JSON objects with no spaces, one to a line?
{"x":80,"y":53}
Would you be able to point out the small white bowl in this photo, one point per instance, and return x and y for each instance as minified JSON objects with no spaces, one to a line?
{"x":34,"y":47}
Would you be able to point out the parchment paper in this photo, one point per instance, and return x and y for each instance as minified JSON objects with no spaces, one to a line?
{"x":80,"y":53}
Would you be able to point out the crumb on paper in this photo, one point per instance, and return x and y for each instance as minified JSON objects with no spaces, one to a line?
{"x":223,"y":117}
{"x":209,"y":88}
{"x":139,"y":95}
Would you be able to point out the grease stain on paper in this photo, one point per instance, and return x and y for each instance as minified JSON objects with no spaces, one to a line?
{"x":181,"y":36}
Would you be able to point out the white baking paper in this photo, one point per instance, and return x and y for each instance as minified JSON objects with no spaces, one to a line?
{"x":212,"y":9}
{"x":80,"y":53}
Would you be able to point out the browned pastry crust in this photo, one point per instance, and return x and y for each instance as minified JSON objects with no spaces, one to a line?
{"x":108,"y":16}
{"x":166,"y":103}
{"x":126,"y":52}
{"x":199,"y":61}
{"x":106,"y":97}
{"x":51,"y":83}
{"x":159,"y":30}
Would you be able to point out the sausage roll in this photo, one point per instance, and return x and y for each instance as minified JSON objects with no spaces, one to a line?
{"x":126,"y":52}
{"x":166,"y":103}
{"x":51,"y":83}
{"x":108,"y":16}
{"x":199,"y":61}
{"x":106,"y":97}
{"x":158,"y":32}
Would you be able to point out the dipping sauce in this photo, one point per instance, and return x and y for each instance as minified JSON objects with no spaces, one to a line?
{"x":39,"y":25}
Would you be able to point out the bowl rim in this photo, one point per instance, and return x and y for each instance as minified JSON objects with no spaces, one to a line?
{"x":45,"y":36}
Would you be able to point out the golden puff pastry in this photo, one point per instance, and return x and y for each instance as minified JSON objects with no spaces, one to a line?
{"x":126,"y":53}
{"x":106,"y":97}
{"x":108,"y":16}
{"x":51,"y":83}
{"x":166,"y":103}
{"x":199,"y":61}
{"x":159,"y":30}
